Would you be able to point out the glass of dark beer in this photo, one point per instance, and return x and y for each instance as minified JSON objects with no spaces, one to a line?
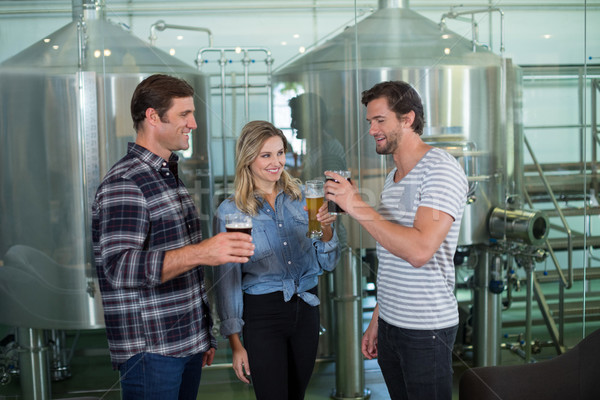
{"x":314,"y":200}
{"x":333,"y":208}
{"x":238,"y":222}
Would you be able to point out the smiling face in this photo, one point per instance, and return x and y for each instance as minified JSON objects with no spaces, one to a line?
{"x":385,"y":127}
{"x":268,"y":165}
{"x":175,"y":126}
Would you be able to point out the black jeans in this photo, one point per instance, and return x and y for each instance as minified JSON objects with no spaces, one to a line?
{"x":281,"y":340}
{"x":416,"y":364}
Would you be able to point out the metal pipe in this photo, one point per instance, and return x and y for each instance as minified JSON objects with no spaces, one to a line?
{"x":269,"y":63}
{"x":569,"y":282}
{"x":349,"y":370}
{"x":561,"y":316}
{"x":474,"y":27}
{"x":161,"y":25}
{"x":528,"y":226}
{"x":528,"y":311}
{"x":555,"y":333}
{"x":222,"y":64}
{"x":59,"y":359}
{"x":223,"y":86}
{"x":246,"y":63}
{"x":595,"y":86}
{"x":487,"y":307}
{"x":33,"y":364}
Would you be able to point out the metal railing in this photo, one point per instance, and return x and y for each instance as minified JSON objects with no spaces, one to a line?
{"x":566,"y":282}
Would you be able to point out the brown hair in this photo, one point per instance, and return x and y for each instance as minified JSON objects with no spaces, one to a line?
{"x":402,"y":98}
{"x":157,"y":91}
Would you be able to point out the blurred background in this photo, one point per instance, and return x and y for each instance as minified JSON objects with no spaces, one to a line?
{"x":510,"y":89}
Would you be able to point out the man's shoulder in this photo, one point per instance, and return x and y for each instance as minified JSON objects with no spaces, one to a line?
{"x":128,"y":168}
{"x":128,"y":175}
{"x":441,"y":158}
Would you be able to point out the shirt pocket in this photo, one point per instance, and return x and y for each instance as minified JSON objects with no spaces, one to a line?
{"x":299,"y":229}
{"x":167,"y":232}
{"x":262,"y":248}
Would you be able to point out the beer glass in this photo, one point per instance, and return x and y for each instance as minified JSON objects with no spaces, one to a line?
{"x":238,"y":222}
{"x":314,"y":201}
{"x":333,"y":208}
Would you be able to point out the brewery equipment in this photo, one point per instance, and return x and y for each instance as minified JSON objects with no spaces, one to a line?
{"x":472,"y":103}
{"x":65,"y":112}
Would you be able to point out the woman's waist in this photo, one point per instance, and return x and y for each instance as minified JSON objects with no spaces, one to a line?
{"x":277,"y":293}
{"x":257,"y":286}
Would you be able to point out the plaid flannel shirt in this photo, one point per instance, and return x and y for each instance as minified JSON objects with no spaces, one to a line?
{"x":141,"y":211}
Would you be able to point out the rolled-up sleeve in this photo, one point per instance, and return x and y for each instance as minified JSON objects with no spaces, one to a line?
{"x":228,"y":287}
{"x":328,"y":253}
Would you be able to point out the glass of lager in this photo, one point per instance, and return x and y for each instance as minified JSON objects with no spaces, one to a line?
{"x":314,"y":201}
{"x":238,"y":222}
{"x":333,"y":208}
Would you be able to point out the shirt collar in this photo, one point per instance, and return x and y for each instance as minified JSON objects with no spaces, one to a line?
{"x":155,"y":161}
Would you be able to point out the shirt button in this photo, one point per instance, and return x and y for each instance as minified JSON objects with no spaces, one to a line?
{"x":167,"y":174}
{"x":164,"y":164}
{"x":289,"y":262}
{"x":268,"y":210}
{"x":280,"y":225}
{"x":285,"y":243}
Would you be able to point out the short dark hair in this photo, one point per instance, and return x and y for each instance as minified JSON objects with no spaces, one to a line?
{"x":402,"y":98}
{"x":157,"y":91}
{"x":310,"y":105}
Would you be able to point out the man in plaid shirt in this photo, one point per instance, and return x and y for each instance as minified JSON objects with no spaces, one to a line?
{"x":149,"y":252}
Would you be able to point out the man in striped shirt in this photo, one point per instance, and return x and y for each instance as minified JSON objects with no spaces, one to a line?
{"x":416,"y":227}
{"x":149,"y":252}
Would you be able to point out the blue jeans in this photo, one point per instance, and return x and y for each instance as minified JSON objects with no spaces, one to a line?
{"x":416,"y":364}
{"x":148,"y":376}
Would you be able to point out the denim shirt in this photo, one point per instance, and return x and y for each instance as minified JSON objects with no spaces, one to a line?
{"x":284,"y":259}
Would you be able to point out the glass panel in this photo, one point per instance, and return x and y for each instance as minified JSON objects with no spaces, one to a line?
{"x":511,"y":90}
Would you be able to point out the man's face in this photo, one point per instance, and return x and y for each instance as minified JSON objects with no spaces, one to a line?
{"x":177,"y":124}
{"x":298,"y":124}
{"x":384,"y":126}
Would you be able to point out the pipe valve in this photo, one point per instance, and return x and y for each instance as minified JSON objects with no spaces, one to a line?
{"x":530,"y":227}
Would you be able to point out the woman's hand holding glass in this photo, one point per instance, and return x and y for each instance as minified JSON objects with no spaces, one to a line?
{"x":326,"y":219}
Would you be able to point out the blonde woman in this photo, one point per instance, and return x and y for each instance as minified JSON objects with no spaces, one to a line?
{"x":271,"y":299}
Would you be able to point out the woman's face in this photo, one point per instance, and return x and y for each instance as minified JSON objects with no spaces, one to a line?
{"x":268,"y":165}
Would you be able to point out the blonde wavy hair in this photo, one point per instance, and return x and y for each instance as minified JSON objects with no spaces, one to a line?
{"x":251,"y":140}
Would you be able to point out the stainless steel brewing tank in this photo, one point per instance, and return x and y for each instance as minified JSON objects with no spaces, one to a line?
{"x":64,"y":120}
{"x":471,"y":103}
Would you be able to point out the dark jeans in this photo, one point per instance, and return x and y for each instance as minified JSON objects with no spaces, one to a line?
{"x":147,"y":376}
{"x":416,"y":364}
{"x":281,"y":340}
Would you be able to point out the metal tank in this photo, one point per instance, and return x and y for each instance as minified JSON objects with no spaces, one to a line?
{"x":65,"y":119}
{"x":472,"y":103}
{"x":468,"y":95}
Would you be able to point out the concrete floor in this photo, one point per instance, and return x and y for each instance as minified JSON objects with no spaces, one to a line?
{"x":93,"y":378}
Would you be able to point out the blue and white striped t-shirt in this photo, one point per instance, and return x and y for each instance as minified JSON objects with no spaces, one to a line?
{"x":422,"y":298}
